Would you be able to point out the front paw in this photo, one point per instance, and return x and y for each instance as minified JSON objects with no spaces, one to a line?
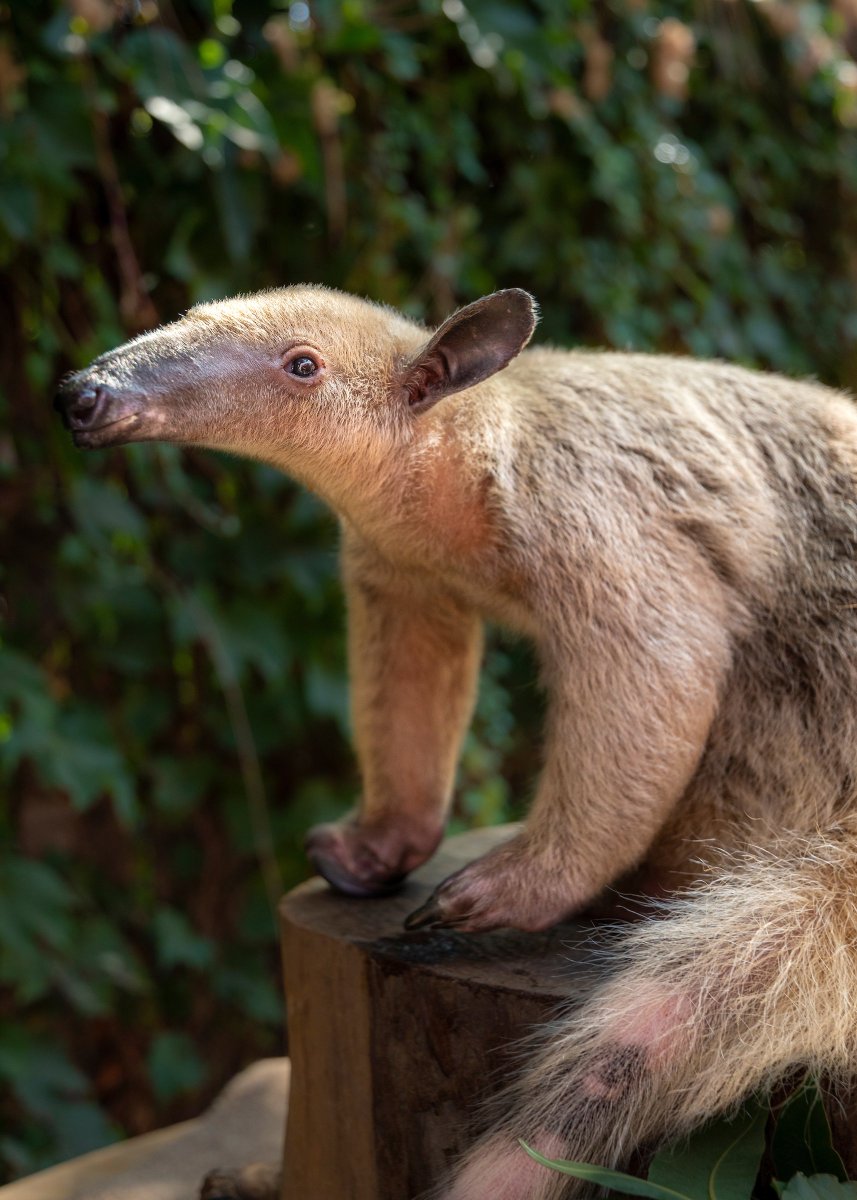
{"x":510,"y":887}
{"x":363,"y":859}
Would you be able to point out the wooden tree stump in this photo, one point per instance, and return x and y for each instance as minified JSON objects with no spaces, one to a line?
{"x":396,"y":1037}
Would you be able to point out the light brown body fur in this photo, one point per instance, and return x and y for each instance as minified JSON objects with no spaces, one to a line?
{"x":678,"y":539}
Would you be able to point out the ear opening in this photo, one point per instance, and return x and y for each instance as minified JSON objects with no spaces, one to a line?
{"x":472,"y":344}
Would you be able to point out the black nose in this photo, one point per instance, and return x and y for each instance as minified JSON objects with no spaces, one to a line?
{"x":80,"y":403}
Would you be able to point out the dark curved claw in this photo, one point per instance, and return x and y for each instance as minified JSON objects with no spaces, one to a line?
{"x":347,"y":884}
{"x":427,"y":916}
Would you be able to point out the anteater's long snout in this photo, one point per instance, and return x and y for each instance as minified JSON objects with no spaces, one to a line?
{"x":95,"y":414}
{"x":79,"y":404}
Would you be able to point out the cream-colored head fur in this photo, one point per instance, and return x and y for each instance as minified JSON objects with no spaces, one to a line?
{"x":317,"y":382}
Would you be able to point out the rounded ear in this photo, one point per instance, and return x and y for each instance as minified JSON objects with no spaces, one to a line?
{"x":472,"y":344}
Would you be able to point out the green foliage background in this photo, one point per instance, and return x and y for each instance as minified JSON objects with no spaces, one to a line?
{"x":171,"y":663}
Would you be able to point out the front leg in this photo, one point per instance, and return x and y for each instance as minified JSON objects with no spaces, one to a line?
{"x":630,"y":708}
{"x":414,"y":654}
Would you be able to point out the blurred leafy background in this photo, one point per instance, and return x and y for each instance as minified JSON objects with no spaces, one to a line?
{"x":173,"y":709}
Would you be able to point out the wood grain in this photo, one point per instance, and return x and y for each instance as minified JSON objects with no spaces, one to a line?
{"x":396,"y":1037}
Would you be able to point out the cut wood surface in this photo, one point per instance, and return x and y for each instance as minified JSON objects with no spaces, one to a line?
{"x":396,"y":1037}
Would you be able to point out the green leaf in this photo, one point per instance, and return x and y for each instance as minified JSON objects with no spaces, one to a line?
{"x":81,"y":1127}
{"x":101,"y":509}
{"x":174,"y":1065}
{"x":818,"y":1187}
{"x":69,"y":757}
{"x":18,"y":209}
{"x":802,"y":1141}
{"x":38,"y":1070}
{"x":24,"y":684}
{"x":178,"y":784}
{"x":108,"y":958}
{"x":239,"y":212}
{"x":617,"y":1181}
{"x":251,"y":992}
{"x":29,"y":886}
{"x":178,"y":944}
{"x":720,"y":1161}
{"x":161,"y":64}
{"x":48,"y":1086}
{"x":327,"y":695}
{"x":37,"y":925}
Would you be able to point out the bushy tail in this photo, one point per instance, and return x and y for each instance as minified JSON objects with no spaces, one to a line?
{"x":736,"y":984}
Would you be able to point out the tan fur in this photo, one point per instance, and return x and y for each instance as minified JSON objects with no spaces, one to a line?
{"x":678,"y":539}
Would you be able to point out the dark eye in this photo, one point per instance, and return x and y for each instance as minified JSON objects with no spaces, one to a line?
{"x":303,"y":366}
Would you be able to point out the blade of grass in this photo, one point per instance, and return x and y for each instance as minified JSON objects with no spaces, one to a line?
{"x":616,"y":1180}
